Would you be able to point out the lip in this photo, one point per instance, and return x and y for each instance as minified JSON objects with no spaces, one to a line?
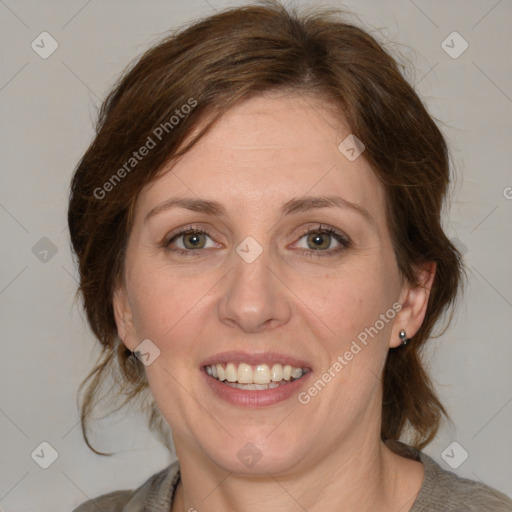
{"x":254,"y":398}
{"x":268,"y":358}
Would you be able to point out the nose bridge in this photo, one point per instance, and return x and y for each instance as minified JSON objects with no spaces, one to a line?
{"x":253,"y":298}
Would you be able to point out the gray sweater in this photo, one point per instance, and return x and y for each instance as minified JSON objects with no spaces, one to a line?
{"x":441,"y":491}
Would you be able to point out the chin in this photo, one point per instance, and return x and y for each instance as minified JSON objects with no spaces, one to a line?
{"x":258,"y":452}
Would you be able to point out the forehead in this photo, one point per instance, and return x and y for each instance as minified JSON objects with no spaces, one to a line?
{"x":267,"y":150}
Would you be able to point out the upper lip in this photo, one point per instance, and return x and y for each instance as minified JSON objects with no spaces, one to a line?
{"x":268,"y":358}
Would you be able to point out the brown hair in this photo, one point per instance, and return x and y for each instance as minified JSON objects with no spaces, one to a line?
{"x":211,"y":66}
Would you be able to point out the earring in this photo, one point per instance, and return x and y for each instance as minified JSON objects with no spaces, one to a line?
{"x":127,"y":352}
{"x":403,"y":337}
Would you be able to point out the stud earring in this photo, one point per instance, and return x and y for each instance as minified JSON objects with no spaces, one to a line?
{"x":127,"y":351}
{"x":403,"y":337}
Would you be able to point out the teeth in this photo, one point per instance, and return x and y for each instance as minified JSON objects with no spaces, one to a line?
{"x":253,"y":387}
{"x":277,"y":373}
{"x":244,"y":374}
{"x":231,"y":373}
{"x":261,"y":375}
{"x":221,"y":374}
{"x":297,"y":373}
{"x":257,"y":377}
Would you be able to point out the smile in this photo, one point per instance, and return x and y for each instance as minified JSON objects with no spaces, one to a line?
{"x":254,"y":377}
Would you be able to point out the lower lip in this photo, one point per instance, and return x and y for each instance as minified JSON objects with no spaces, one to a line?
{"x":252,"y":397}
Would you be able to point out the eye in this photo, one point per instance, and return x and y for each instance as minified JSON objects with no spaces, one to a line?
{"x":189,"y":240}
{"x":321,"y":241}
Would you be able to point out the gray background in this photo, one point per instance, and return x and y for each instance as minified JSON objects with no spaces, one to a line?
{"x":48,"y":107}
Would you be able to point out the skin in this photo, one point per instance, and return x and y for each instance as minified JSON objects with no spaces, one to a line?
{"x":293,"y":299}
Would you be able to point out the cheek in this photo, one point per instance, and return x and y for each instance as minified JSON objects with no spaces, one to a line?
{"x":163,"y":301}
{"x":168,"y":304}
{"x":353,"y":296}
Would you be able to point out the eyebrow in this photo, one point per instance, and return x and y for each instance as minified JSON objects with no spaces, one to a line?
{"x":295,"y":205}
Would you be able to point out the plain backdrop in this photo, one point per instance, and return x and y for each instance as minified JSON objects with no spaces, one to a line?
{"x":48,"y":107}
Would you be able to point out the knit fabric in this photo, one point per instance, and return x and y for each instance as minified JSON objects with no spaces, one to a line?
{"x":441,"y":491}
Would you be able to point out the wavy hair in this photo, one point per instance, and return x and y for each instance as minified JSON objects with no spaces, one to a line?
{"x":218,"y":62}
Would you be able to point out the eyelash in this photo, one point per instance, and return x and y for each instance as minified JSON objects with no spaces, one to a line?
{"x":343,"y":240}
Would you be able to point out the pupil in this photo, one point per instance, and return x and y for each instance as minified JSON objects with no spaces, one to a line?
{"x":194,"y":239}
{"x":318,"y":240}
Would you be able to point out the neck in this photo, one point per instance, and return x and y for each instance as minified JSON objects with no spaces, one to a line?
{"x":360,"y":475}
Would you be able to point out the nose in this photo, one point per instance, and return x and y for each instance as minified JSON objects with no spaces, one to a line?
{"x":253,"y":298}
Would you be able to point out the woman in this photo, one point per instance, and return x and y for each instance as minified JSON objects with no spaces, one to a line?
{"x":257,"y":228}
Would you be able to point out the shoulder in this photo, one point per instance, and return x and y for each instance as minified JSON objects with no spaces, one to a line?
{"x":111,"y":502}
{"x":445,"y":491}
{"x":448,"y":491}
{"x":157,"y":489}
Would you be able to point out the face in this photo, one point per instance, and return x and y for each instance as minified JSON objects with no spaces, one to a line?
{"x":265,"y":245}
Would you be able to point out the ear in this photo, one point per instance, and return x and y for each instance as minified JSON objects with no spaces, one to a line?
{"x":123,"y":317}
{"x":414,"y":300}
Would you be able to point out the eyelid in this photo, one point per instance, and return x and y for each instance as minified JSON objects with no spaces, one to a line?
{"x":344,"y":240}
{"x":191,"y":228}
{"x":318,"y":226}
